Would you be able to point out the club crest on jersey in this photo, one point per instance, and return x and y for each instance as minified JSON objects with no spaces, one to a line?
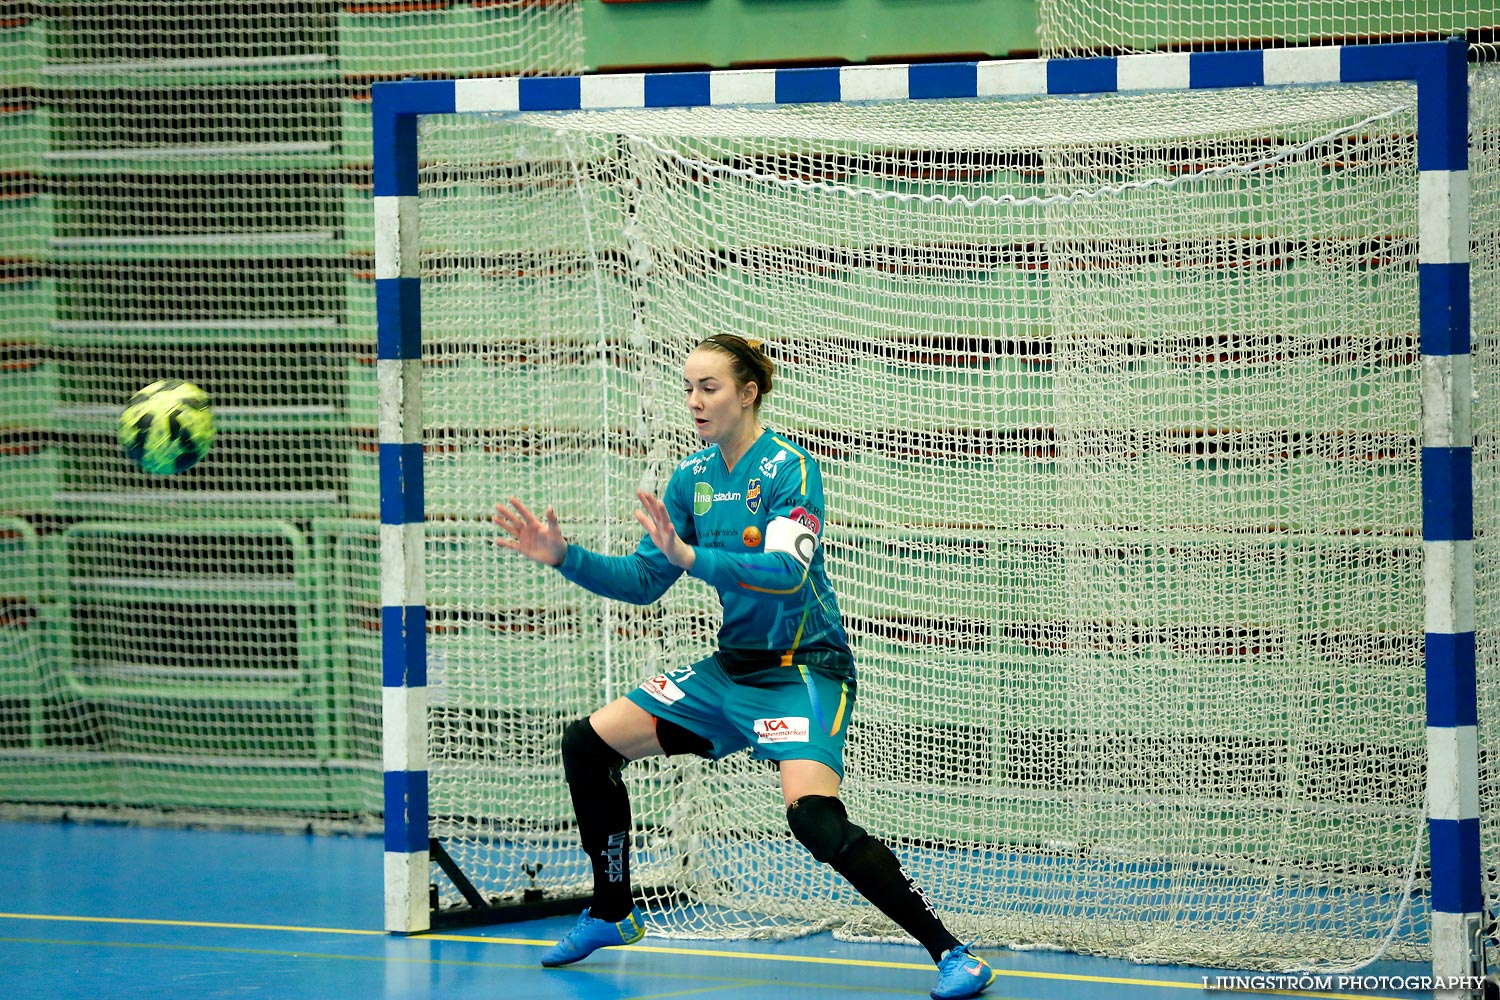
{"x":752,"y":496}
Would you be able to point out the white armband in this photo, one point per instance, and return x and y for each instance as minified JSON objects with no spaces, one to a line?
{"x":785,"y":535}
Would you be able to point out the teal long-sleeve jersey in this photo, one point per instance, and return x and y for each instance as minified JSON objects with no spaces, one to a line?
{"x":757,"y":529}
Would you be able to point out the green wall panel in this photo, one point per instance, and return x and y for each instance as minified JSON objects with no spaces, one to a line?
{"x":723,"y":33}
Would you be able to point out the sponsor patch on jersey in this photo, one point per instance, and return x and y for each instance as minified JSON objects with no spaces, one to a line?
{"x":807,"y":519}
{"x":752,"y":496}
{"x":750,"y":536}
{"x":770,"y":466}
{"x":703,"y":498}
{"x":662,"y":689}
{"x":791,"y":729}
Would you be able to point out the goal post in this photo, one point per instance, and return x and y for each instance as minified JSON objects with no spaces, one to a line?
{"x":591,"y":316}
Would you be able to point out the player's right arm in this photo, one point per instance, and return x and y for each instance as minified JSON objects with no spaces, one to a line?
{"x":639,"y":578}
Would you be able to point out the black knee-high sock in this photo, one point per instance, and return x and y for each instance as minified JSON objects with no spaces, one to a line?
{"x":602,"y":807}
{"x":871,"y":868}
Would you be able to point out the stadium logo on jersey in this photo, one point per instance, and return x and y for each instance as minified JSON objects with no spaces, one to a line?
{"x":662,"y":689}
{"x":792,"y":729}
{"x":703,"y":498}
{"x":807,"y":519}
{"x":752,"y":496}
{"x":770,"y":466}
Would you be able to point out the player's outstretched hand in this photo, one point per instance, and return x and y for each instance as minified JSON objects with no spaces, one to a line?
{"x":535,"y":539}
{"x":658,"y":524}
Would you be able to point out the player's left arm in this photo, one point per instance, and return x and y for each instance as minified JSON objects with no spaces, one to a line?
{"x":794,"y":531}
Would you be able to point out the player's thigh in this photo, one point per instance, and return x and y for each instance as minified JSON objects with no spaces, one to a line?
{"x":627,"y":727}
{"x":796,"y":715}
{"x":801,"y":777}
{"x":694,"y":698}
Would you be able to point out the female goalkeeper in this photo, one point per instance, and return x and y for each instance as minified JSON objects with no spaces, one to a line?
{"x":745,"y":515}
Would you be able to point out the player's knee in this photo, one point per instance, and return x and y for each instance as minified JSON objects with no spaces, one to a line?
{"x":585,"y":754}
{"x":822,"y":825}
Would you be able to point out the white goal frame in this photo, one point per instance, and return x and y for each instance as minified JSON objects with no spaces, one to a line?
{"x":1439,"y":71}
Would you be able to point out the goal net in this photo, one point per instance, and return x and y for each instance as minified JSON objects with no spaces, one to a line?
{"x":185,"y":194}
{"x":1117,"y":404}
{"x":1094,"y":27}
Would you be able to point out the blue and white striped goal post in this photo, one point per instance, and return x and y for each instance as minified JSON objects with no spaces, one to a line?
{"x":1439,"y":71}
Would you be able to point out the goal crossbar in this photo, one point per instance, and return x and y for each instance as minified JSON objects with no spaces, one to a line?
{"x":1438,"y":71}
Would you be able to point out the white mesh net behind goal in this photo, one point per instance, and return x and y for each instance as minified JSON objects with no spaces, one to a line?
{"x":1116,"y":401}
{"x":185,"y":193}
{"x":1108,"y":27}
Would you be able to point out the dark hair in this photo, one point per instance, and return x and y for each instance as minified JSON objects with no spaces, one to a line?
{"x":748,"y":362}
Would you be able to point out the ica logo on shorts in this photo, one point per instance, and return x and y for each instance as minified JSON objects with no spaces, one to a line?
{"x":791,"y":729}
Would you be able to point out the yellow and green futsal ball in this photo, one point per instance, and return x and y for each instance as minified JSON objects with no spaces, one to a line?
{"x":167,"y":426}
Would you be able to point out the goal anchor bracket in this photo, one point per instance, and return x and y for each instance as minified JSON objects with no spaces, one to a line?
{"x":533,"y":903}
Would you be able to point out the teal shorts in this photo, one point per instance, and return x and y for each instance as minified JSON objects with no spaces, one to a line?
{"x":779,"y":712}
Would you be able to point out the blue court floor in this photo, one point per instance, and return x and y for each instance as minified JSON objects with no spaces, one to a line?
{"x":115,"y":912}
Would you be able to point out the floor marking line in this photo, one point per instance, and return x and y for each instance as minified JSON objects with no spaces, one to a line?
{"x":726,"y":982}
{"x":226,"y":950}
{"x":863,"y":963}
{"x":652,"y":949}
{"x":695,"y":991}
{"x":216,"y":925}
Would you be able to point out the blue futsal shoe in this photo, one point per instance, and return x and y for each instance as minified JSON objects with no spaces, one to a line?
{"x":589,"y":935}
{"x":962,"y":974}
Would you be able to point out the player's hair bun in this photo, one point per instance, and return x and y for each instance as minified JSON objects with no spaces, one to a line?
{"x":749,"y":361}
